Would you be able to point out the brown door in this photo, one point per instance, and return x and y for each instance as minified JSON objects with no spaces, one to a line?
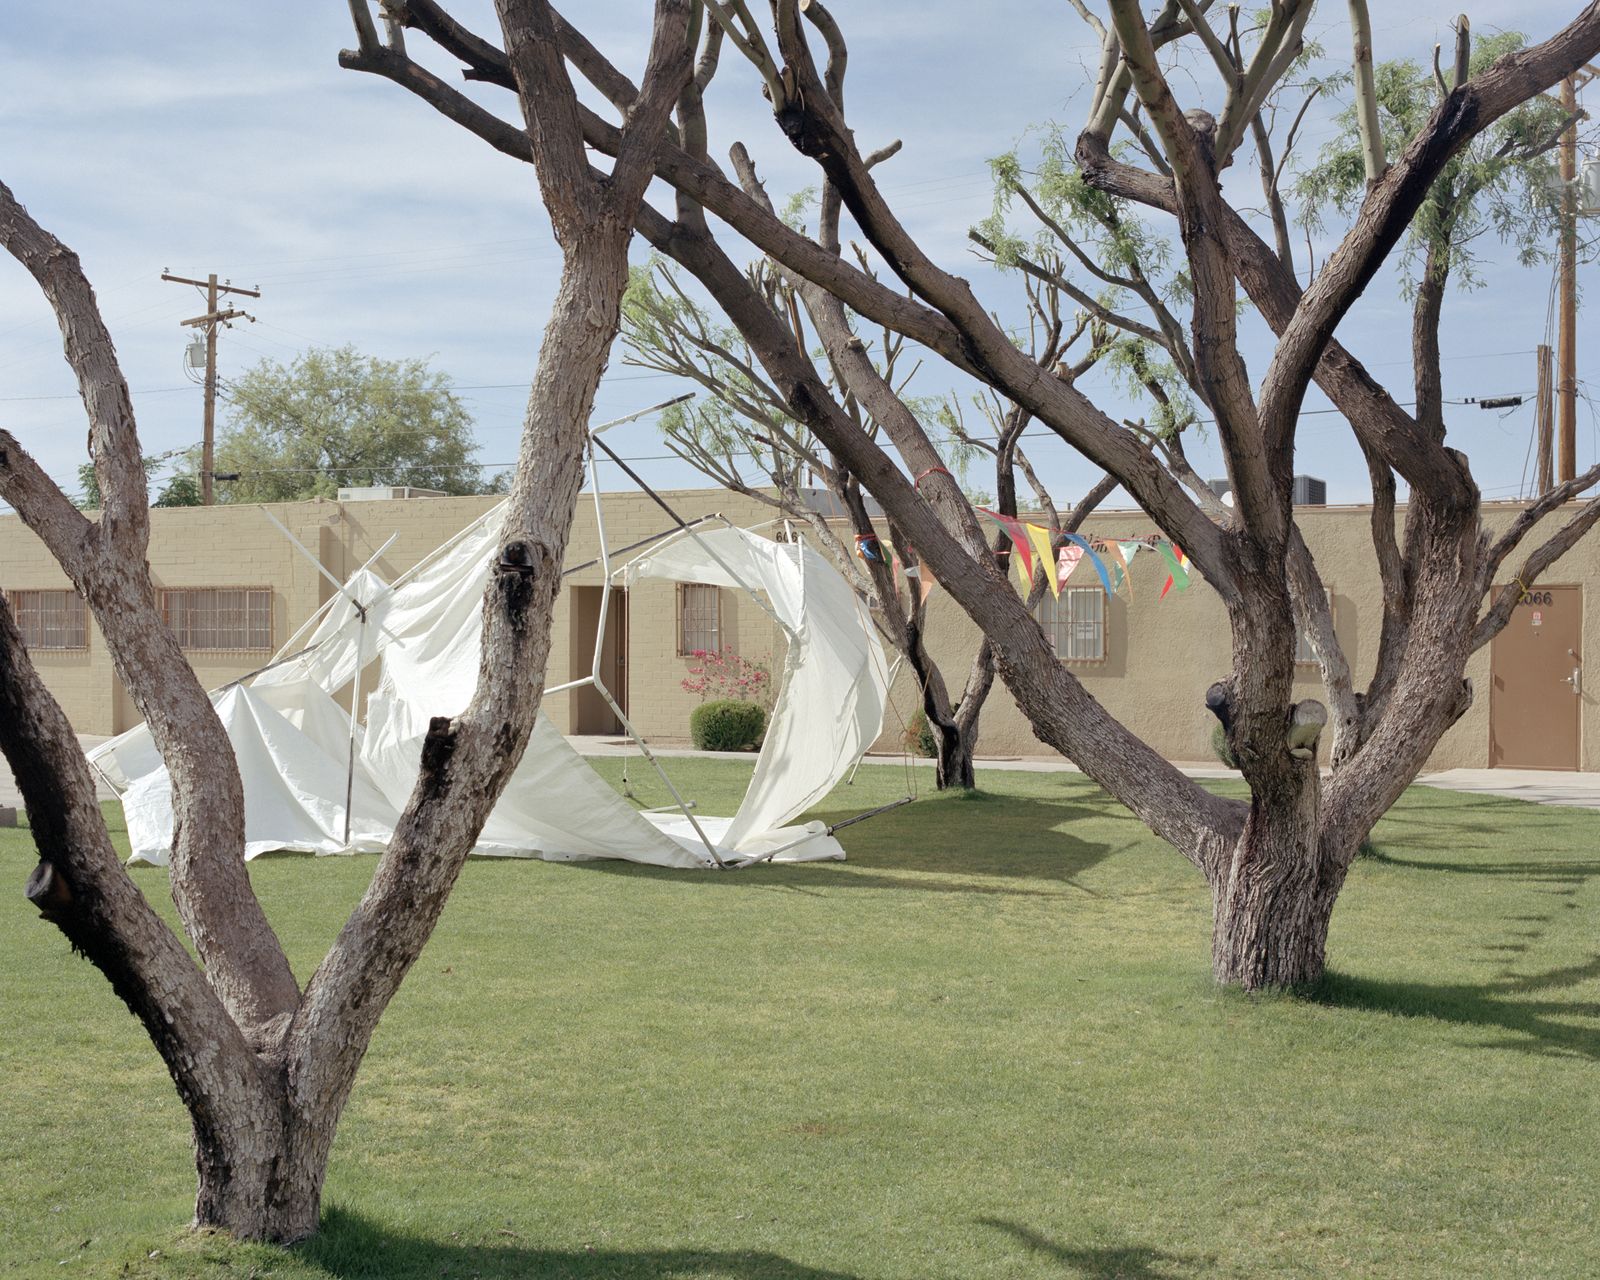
{"x":590,"y":713}
{"x":1536,"y":682}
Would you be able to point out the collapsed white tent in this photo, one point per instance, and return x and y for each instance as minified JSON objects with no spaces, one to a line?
{"x":299,"y":752}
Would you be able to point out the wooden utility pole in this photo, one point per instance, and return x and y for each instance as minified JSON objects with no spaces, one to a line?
{"x":211,"y":320}
{"x":1543,"y":418}
{"x":1567,"y":373}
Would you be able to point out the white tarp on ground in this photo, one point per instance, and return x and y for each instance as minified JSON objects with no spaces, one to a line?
{"x":421,"y":640}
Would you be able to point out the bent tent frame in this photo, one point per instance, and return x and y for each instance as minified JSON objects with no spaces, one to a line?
{"x":867,"y":665}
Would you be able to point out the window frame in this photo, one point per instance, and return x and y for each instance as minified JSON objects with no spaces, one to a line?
{"x":184,"y":632}
{"x":76,"y":627}
{"x":684,"y":649}
{"x":1055,"y":627}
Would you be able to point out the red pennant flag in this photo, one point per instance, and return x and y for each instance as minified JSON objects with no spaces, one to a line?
{"x":1019,"y":539}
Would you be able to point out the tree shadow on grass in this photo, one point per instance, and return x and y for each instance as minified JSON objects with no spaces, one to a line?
{"x":1447,"y":825}
{"x":986,"y":844}
{"x":353,"y":1247}
{"x":1550,"y":1027}
{"x":1124,"y":1262}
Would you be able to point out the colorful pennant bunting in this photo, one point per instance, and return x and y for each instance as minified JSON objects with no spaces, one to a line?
{"x":1113,"y":552}
{"x":1041,"y":543}
{"x":868,"y":547}
{"x":1099,"y":565}
{"x":1022,"y":547}
{"x":1177,"y":566}
{"x":1112,"y":558}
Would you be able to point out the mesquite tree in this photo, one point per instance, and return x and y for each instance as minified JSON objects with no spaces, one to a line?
{"x":1275,"y":863}
{"x":743,"y":423}
{"x":264,"y":1065}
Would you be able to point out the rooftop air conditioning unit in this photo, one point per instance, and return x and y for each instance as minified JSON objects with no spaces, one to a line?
{"x":386,"y":493}
{"x":828,"y":506}
{"x":1310,"y":492}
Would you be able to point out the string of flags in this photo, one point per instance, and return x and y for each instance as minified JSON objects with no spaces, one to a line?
{"x":1110,"y":558}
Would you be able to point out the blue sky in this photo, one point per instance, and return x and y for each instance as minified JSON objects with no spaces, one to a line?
{"x":199,"y":136}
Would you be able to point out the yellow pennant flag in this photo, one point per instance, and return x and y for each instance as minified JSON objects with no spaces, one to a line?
{"x":1041,"y":541}
{"x":1024,"y":574}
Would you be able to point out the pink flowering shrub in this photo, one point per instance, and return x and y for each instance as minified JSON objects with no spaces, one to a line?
{"x":723,"y":675}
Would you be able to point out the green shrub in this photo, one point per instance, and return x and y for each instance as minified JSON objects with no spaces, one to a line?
{"x":726,"y":725}
{"x":1219,"y":744}
{"x":919,"y":736}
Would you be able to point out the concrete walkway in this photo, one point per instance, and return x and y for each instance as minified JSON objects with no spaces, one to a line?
{"x":1573,"y":790}
{"x":1578,"y":790}
{"x":10,"y":798}
{"x":1539,"y":786}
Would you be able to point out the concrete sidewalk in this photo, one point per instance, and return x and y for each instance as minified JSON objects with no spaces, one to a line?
{"x":1538,"y":786}
{"x":10,"y":798}
{"x":1578,"y":790}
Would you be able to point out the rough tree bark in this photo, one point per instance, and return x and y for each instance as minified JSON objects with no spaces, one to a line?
{"x":264,"y":1068}
{"x":1276,"y":864}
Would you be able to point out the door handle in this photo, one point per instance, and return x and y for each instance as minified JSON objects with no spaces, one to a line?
{"x":1576,"y":681}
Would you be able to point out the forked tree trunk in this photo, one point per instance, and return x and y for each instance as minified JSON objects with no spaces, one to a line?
{"x":264,"y":1069}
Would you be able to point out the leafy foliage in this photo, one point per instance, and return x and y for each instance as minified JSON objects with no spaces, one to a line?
{"x":919,"y":735}
{"x":723,"y":674}
{"x":742,"y":417}
{"x":1100,"y":239}
{"x":181,"y":489}
{"x":1505,"y":181}
{"x":726,"y":725}
{"x":336,"y":417}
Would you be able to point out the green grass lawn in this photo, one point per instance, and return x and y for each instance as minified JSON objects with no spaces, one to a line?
{"x":986,"y":1046}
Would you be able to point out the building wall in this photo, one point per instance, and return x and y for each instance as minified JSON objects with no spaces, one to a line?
{"x":227,"y":546}
{"x":1160,"y":654}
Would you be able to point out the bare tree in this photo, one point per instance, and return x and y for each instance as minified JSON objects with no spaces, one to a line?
{"x":1275,"y":864}
{"x":743,"y":426}
{"x":264,"y":1066}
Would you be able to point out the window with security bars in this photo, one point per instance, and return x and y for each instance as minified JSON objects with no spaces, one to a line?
{"x":220,"y":617}
{"x":699,"y":618}
{"x":1304,"y":654}
{"x":1076,"y":623}
{"x":50,"y":619}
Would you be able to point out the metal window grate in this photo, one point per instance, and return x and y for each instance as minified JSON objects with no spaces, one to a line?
{"x":699,"y":618}
{"x":50,"y":619}
{"x":1076,"y":623}
{"x":220,"y":617}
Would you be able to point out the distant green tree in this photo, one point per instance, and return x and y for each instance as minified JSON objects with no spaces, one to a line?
{"x":1503,"y":182}
{"x":180,"y":490}
{"x":335,"y":417}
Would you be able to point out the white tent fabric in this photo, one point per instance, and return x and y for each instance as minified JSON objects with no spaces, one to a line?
{"x":422,"y":639}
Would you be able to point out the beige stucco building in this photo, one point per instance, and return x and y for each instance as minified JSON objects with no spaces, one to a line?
{"x":235,"y":588}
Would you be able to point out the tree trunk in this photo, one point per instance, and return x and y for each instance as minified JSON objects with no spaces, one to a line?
{"x":263,"y":1180}
{"x":1271,"y":929}
{"x":1271,"y":912}
{"x":953,"y":766}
